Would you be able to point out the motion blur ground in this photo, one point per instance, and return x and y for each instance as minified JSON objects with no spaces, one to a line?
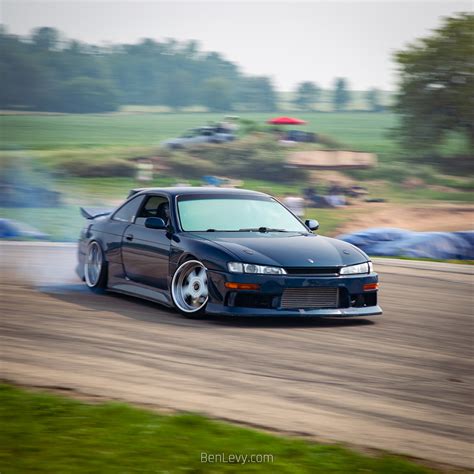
{"x":402,"y":384}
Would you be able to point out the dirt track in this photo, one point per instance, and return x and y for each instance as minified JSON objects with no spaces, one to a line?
{"x":400,"y":382}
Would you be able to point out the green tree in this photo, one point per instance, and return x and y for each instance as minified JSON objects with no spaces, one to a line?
{"x":257,"y":94}
{"x":26,"y":82}
{"x":373,"y":100}
{"x":341,"y":95}
{"x":179,"y":90}
{"x":307,"y":94}
{"x":87,"y":95}
{"x":217,"y":94}
{"x":436,"y":93}
{"x":41,"y":72}
{"x":45,"y":38}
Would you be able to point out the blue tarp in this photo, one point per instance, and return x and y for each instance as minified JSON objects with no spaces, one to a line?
{"x":10,"y":229}
{"x":386,"y":241}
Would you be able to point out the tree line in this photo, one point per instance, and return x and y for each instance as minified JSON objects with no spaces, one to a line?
{"x":47,"y":72}
{"x":308,"y":96}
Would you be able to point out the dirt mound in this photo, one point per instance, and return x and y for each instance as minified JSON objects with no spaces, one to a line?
{"x":437,"y":217}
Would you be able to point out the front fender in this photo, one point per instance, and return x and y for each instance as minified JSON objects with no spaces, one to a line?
{"x":211,"y":254}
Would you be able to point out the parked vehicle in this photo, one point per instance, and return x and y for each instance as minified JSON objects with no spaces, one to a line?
{"x":301,"y":136}
{"x":200,"y":135}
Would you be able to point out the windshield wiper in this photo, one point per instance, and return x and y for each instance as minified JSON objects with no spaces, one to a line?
{"x":263,"y":230}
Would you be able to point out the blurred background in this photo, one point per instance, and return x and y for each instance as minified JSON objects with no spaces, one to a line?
{"x":357,"y":114}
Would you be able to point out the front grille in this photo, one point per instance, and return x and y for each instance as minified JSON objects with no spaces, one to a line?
{"x":309,"y":298}
{"x":330,"y":271}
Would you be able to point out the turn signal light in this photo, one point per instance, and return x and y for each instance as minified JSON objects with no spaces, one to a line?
{"x":241,"y":286}
{"x":371,"y":286}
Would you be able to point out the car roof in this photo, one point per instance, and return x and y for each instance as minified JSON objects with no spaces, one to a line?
{"x":193,"y":190}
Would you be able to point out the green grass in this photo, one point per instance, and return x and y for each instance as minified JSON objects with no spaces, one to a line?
{"x":50,"y":139}
{"x":329,"y":219}
{"x":62,"y":224}
{"x":396,"y":193}
{"x":43,"y":433}
{"x":100,"y":191}
{"x":363,"y":130}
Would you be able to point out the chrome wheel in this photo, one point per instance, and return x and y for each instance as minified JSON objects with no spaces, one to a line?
{"x":93,"y":265}
{"x":189,"y":287}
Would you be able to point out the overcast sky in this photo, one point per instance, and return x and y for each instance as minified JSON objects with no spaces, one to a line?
{"x":288,"y":41}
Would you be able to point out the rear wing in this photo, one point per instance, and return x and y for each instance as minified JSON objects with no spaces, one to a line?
{"x":93,"y":213}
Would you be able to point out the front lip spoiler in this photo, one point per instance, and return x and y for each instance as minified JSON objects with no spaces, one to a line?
{"x":217,"y":309}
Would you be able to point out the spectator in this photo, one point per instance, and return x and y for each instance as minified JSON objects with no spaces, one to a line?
{"x":144,"y":170}
{"x":295,"y":204}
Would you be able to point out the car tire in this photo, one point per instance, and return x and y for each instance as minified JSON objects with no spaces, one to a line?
{"x":189,"y":289}
{"x":95,"y":267}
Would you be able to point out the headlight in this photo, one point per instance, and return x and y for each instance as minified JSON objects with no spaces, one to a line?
{"x":237,"y":267}
{"x":357,"y":269}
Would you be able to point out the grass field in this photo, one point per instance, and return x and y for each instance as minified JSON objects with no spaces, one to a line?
{"x":51,"y":140}
{"x":48,"y":434}
{"x":358,"y":130}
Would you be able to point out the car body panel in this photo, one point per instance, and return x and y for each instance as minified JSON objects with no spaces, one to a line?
{"x":293,"y":250}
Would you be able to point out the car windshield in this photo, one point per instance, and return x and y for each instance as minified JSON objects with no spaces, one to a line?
{"x":236,"y":214}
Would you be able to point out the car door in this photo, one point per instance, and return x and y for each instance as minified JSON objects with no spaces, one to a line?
{"x":146,"y":252}
{"x":111,"y":233}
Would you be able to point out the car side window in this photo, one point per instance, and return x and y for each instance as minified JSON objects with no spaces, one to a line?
{"x":154,"y":206}
{"x":128,"y":211}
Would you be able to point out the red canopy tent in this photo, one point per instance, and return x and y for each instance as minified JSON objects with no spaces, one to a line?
{"x":286,"y":121}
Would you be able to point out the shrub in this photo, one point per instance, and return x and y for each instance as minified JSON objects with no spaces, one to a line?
{"x":328,"y":141}
{"x":256,"y":157}
{"x":188,"y":166}
{"x":97,"y":169}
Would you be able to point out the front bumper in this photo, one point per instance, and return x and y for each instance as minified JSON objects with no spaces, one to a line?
{"x":218,"y":309}
{"x":353,"y":300}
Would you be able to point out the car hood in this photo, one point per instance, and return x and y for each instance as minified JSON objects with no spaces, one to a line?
{"x":286,"y":250}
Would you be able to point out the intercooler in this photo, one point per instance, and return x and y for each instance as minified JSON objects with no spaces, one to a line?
{"x":309,"y":298}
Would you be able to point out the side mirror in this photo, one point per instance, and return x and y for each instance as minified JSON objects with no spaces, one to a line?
{"x":155,"y":223}
{"x":312,"y":224}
